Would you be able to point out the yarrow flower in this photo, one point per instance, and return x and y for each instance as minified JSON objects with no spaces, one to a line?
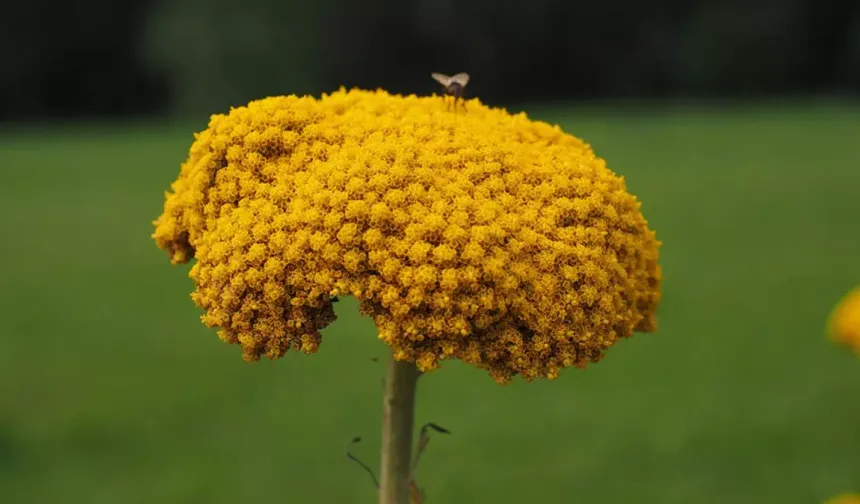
{"x":844,"y":324}
{"x":845,"y":499}
{"x":477,"y":235}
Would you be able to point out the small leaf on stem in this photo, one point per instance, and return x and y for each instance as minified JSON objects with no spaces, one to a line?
{"x":355,"y":459}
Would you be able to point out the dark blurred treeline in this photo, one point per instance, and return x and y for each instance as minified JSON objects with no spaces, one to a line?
{"x":108,"y":57}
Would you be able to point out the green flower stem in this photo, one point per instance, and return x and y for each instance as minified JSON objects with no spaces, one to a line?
{"x":398,"y":419}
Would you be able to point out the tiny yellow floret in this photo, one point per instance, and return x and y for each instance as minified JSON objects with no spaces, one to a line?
{"x":477,"y":235}
{"x":844,"y":323}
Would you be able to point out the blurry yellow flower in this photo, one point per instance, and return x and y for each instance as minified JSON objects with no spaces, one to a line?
{"x":844,"y":499}
{"x":844,"y":324}
{"x":476,"y":235}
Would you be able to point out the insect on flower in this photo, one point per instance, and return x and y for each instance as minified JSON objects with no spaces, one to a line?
{"x":454,"y":85}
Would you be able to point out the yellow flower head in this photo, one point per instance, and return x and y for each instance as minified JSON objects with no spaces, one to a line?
{"x":845,"y":499}
{"x":844,"y":324}
{"x":477,"y":234}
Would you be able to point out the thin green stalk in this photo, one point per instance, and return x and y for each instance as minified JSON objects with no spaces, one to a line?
{"x":398,"y":420}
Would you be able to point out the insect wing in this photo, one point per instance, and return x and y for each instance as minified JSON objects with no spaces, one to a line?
{"x":461,"y":79}
{"x":441,"y":78}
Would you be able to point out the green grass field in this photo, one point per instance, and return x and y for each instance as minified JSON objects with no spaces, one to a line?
{"x":112,"y":391}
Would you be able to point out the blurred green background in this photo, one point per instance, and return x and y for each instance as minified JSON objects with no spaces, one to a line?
{"x":736,"y":123}
{"x":113,"y":391}
{"x":85,"y":58}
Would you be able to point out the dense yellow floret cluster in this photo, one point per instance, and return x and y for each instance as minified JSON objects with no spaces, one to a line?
{"x":477,"y":234}
{"x":844,"y":325}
